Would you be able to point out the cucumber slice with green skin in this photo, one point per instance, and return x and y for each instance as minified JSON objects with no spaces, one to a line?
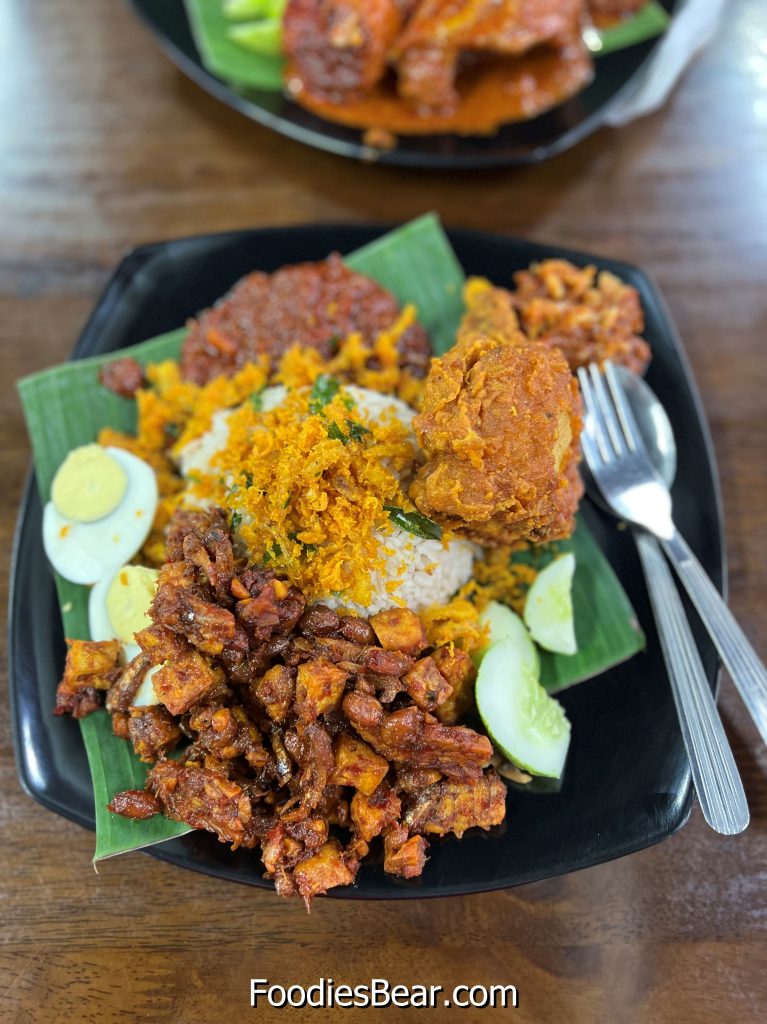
{"x":501,"y":623}
{"x":263,"y":37}
{"x":254,"y":8}
{"x":529,"y":727}
{"x":549,"y":607}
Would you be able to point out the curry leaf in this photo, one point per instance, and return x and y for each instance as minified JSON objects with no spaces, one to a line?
{"x":415,"y":523}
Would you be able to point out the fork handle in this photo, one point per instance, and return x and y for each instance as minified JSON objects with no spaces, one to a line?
{"x":714,"y":772}
{"x":747,"y":671}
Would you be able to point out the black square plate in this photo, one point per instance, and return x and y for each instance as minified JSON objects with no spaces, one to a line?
{"x":524,"y":142}
{"x":628,"y":781}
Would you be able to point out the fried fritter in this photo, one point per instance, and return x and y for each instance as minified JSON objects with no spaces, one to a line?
{"x":499,"y":426}
{"x":589,"y":315}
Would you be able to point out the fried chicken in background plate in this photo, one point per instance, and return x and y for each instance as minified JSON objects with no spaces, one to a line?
{"x":439,"y":32}
{"x":499,"y":425}
{"x":339,"y":48}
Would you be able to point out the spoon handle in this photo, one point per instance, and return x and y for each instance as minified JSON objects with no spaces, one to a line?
{"x":714,"y":773}
{"x":743,"y":664}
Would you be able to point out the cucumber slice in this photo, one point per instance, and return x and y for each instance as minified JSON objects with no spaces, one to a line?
{"x":549,"y":607}
{"x":528,"y":726}
{"x":237,"y":9}
{"x":263,"y":37}
{"x":502,"y":622}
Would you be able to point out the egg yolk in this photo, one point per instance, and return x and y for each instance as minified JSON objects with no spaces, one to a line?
{"x":89,"y":484}
{"x":128,"y":598}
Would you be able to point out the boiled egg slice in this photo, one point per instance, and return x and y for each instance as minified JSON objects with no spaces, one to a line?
{"x":145,"y":695}
{"x":118,"y":606}
{"x":103,"y":501}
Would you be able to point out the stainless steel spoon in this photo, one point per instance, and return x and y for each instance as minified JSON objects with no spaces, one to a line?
{"x":715,"y":775}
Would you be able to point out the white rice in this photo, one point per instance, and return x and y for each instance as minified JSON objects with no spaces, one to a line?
{"x":429,"y":572}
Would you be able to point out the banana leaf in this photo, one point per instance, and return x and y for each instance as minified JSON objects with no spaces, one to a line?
{"x":65,"y":406}
{"x":229,"y":60}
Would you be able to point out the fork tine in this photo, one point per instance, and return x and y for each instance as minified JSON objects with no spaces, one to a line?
{"x":625,"y":415}
{"x":600,"y":449}
{"x":607,"y":409}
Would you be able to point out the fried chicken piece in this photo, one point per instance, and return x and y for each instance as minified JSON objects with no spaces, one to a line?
{"x":337,"y":49}
{"x":414,"y":738}
{"x":458,"y":668}
{"x":88,"y":672}
{"x":403,"y":856}
{"x":588,"y":315}
{"x":457,"y":806}
{"x":205,"y":799}
{"x":428,"y":51}
{"x":357,"y":764}
{"x":499,"y":426}
{"x":308,"y":304}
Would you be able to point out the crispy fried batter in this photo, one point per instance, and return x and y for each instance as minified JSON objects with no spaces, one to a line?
{"x":87,"y":674}
{"x":588,"y":315}
{"x":499,"y":425}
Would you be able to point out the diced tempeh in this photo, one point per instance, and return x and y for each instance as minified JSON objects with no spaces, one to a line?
{"x":87,"y":672}
{"x":426,"y":684}
{"x":458,"y":668}
{"x":319,"y":688}
{"x":322,"y":871}
{"x":371,"y":814}
{"x":183,"y":682}
{"x":357,"y":764}
{"x":403,"y":856}
{"x":399,"y":629}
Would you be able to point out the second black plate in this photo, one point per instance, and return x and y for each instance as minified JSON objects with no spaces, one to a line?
{"x":522,"y":143}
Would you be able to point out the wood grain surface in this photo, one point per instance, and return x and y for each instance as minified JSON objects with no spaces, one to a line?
{"x":103,"y":145}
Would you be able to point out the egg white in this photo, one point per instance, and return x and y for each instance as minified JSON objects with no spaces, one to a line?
{"x":145,"y":696}
{"x":87,"y":552}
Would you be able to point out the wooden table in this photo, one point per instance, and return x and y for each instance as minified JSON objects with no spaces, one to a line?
{"x":104,"y":145}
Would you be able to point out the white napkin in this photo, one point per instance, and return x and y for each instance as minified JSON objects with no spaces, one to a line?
{"x":691,"y":29}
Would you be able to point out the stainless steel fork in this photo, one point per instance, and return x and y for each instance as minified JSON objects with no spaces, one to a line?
{"x":621,"y":467}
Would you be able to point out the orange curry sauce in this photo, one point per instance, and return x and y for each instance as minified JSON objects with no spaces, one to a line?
{"x":493,"y":92}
